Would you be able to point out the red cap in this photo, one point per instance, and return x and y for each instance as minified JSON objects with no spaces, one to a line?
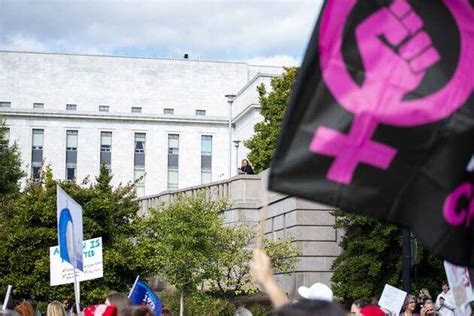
{"x":100,"y":310}
{"x":371,"y":310}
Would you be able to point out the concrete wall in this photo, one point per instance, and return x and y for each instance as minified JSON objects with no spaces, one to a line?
{"x":308,"y":224}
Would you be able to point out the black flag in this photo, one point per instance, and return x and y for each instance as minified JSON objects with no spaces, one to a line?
{"x":381,"y":119}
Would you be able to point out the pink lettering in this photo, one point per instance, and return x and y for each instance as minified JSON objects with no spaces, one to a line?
{"x":457,"y":217}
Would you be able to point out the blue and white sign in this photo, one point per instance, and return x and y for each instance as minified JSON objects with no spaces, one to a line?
{"x":141,"y":294}
{"x":69,"y":229}
{"x":63,"y":273}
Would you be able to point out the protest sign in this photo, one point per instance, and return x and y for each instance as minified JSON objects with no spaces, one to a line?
{"x":62,"y":272}
{"x":459,"y":283}
{"x":392,"y":299}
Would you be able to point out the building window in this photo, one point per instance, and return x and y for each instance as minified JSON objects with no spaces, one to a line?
{"x":206,"y":159}
{"x":201,"y":112}
{"x":136,"y":109}
{"x":139,"y":163}
{"x":173,"y":161}
{"x":168,"y":111}
{"x":71,"y":107}
{"x":4,"y":104}
{"x":38,"y":105}
{"x":106,"y":149}
{"x":104,"y":108}
{"x":37,"y":153}
{"x":71,"y":154}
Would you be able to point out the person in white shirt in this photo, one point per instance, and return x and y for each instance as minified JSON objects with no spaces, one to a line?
{"x":445,"y":301}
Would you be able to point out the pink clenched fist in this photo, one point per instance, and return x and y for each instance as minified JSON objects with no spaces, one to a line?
{"x":405,"y":67}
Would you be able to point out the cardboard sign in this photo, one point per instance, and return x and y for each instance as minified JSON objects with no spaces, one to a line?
{"x":61,"y":272}
{"x":392,"y":299}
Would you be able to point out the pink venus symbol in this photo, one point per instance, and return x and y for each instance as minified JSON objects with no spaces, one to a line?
{"x":389,"y":75}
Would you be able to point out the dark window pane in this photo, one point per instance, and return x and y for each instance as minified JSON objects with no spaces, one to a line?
{"x":173,"y":161}
{"x":70,"y":173}
{"x":206,"y":162}
{"x":106,"y":158}
{"x":71,"y":156}
{"x":37,"y":155}
{"x":139,"y":159}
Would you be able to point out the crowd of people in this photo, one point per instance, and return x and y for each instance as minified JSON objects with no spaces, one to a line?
{"x":116,"y":304}
{"x":318,"y":299}
{"x":315,"y":300}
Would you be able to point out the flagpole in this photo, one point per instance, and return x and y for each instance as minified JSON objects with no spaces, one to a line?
{"x":406,"y":272}
{"x":7,"y":297}
{"x":77,"y":289}
{"x":133,"y":287}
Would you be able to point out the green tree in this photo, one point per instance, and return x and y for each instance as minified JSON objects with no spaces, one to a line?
{"x":10,"y":173}
{"x":229,"y":269}
{"x":372,"y":257}
{"x":30,"y":231}
{"x":191,"y":247}
{"x":273,"y":105}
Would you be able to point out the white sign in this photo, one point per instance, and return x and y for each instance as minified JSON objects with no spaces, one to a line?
{"x":459,"y":283}
{"x":392,"y":299}
{"x":62,"y":272}
{"x":69,"y":214}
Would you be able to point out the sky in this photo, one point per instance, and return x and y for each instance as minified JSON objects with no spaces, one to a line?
{"x":265,"y":32}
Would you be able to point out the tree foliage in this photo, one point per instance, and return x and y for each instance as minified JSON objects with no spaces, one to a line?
{"x":273,"y":105}
{"x":372,"y":257}
{"x":191,"y":247}
{"x":10,"y":172}
{"x":31,"y":229}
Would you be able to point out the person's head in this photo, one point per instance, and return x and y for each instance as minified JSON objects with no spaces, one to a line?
{"x":66,"y":304}
{"x":244,"y":162}
{"x":120,"y":301}
{"x":55,"y":309}
{"x":242,"y":311}
{"x":306,"y":307}
{"x":136,"y":311}
{"x":429,"y":308}
{"x":25,"y":309}
{"x":358,"y":304}
{"x":445,"y":286}
{"x":165,"y":312}
{"x":424,"y":293}
{"x":410,"y":303}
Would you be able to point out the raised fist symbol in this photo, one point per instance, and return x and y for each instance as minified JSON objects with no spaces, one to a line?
{"x":405,"y":67}
{"x":396,"y":53}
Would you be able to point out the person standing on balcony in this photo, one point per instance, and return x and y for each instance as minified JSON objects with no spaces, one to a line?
{"x":245,"y":167}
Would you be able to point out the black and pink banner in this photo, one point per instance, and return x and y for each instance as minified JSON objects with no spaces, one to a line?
{"x":381,"y":119}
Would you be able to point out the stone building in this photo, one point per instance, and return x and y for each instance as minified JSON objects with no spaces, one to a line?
{"x":164,"y":119}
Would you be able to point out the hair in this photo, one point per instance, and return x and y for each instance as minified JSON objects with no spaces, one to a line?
{"x":310,"y":307}
{"x":136,"y":311}
{"x":242,"y":162}
{"x":426,"y":293}
{"x":165,"y":312}
{"x":119,"y":300}
{"x":361,"y":302}
{"x":407,"y":301}
{"x":55,"y":309}
{"x":445,"y":283}
{"x":25,"y":309}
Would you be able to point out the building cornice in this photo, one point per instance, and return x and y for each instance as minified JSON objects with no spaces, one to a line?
{"x":251,"y":82}
{"x":136,"y":117}
{"x":248,"y":108}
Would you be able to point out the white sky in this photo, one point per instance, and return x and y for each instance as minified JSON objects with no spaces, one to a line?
{"x":256,"y":31}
